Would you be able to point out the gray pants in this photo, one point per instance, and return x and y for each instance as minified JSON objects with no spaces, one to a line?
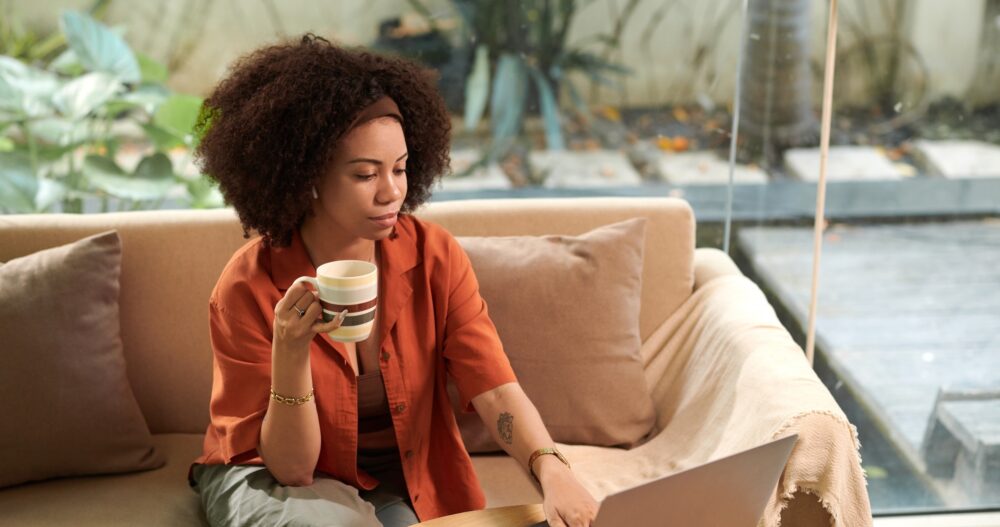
{"x":237,"y":495}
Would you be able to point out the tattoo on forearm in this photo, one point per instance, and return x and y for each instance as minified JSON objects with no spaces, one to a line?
{"x":505,"y":426}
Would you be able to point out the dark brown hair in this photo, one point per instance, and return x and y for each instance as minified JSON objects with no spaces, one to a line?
{"x":269,"y":128}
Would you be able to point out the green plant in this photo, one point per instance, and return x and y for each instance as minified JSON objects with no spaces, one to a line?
{"x":880,"y":72}
{"x":34,"y":47}
{"x":520,"y":65}
{"x":63,"y":126}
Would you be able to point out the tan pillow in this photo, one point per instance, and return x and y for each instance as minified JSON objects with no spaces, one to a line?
{"x":67,"y":407}
{"x":567,"y":311}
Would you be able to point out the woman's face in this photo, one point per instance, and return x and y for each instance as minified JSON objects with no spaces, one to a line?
{"x":365,"y":186}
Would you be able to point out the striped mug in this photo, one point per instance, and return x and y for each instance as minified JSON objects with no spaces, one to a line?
{"x":351,"y":285}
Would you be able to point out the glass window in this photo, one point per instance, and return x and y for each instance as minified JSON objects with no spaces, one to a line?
{"x":907,"y":316}
{"x":629,"y":98}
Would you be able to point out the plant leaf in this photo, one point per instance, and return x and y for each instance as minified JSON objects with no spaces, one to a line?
{"x":578,"y":102}
{"x":18,"y":184}
{"x":508,"y":98}
{"x":25,"y":91}
{"x":550,"y":112}
{"x":155,"y":166}
{"x":204,"y":193}
{"x":589,"y":63}
{"x":82,"y":95}
{"x":49,"y":193}
{"x":67,"y":63}
{"x":177,"y":115}
{"x":98,"y":48}
{"x":146,"y":96}
{"x":105,"y":175}
{"x":477,"y":88}
{"x":162,"y":139}
{"x":60,"y":131}
{"x":152,"y":71}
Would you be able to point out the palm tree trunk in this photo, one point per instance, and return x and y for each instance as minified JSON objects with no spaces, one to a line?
{"x":777,"y":79}
{"x":985,"y":88}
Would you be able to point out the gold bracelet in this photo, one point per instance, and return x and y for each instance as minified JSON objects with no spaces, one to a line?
{"x":291,"y":401}
{"x":541,"y":452}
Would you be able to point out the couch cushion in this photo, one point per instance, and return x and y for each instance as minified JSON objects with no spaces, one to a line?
{"x":154,"y":498}
{"x":162,"y":497}
{"x":667,"y":276}
{"x":567,"y":311}
{"x":65,"y":399}
{"x":171,"y":259}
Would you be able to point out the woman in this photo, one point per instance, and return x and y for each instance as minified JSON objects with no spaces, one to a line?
{"x":324,"y":152}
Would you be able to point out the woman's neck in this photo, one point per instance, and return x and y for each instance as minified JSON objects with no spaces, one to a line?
{"x":326,"y":244}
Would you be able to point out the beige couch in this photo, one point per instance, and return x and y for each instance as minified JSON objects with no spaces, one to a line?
{"x":719,"y":331}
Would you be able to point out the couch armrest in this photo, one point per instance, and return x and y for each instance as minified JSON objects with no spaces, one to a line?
{"x":726,"y":376}
{"x":710,"y":263}
{"x":725,"y":373}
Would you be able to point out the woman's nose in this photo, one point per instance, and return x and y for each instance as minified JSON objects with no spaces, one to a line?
{"x":388,"y":189}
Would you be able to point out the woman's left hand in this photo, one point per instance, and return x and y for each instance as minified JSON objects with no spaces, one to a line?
{"x":567,"y":503}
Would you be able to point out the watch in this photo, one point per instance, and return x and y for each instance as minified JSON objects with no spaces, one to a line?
{"x":541,"y":452}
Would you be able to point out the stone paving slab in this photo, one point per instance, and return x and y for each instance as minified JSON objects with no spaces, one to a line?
{"x":903,"y":309}
{"x":960,"y":158}
{"x":597,"y":168}
{"x":977,"y":423}
{"x":488,"y":177}
{"x":846,"y":163}
{"x":705,"y":168}
{"x":962,"y":441}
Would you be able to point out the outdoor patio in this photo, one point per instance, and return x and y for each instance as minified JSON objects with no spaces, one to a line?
{"x":903,"y":321}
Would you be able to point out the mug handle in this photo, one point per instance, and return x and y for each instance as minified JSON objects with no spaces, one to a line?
{"x":310,"y":279}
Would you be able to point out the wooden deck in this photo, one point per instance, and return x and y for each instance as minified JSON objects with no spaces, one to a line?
{"x":905,"y":311}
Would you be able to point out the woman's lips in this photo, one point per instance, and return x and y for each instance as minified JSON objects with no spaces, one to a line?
{"x":385,"y":221}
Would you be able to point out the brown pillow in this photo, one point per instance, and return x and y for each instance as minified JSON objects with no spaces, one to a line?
{"x":567,"y":311}
{"x":67,"y":407}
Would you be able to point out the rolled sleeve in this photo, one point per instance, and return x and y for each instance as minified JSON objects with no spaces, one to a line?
{"x":472,"y":350}
{"x":242,"y":376}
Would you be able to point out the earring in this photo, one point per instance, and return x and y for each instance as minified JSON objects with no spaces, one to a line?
{"x":315,"y":194}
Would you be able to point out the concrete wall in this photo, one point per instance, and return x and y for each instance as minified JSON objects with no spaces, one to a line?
{"x":946,"y":34}
{"x":200,"y":38}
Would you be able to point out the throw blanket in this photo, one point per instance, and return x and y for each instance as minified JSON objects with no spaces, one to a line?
{"x":726,"y":376}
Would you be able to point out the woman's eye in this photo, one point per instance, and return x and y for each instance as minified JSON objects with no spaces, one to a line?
{"x":369,"y":177}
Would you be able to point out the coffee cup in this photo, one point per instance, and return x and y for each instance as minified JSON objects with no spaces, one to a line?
{"x":350,"y":285}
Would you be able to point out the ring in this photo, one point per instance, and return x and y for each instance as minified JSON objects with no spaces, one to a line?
{"x":302,"y":312}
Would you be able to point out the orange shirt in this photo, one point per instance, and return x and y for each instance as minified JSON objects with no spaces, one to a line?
{"x":433,"y":324}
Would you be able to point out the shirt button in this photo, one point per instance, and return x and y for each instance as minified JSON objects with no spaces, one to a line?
{"x":400,"y":408}
{"x":385,"y":355}
{"x":409,"y":454}
{"x":416,"y":497}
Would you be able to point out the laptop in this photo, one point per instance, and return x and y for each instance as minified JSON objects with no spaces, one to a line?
{"x":727,"y":492}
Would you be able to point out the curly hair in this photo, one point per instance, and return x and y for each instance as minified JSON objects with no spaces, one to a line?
{"x":269,"y":129}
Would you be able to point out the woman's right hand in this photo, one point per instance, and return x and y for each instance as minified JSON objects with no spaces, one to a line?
{"x":297,"y":319}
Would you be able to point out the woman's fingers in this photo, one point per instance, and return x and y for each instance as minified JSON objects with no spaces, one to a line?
{"x":326,"y":327}
{"x":314,"y":310}
{"x":556,"y":521}
{"x":294,"y":298}
{"x":576,"y":519}
{"x":304,"y":302}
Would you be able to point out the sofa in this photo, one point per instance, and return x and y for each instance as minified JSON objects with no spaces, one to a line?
{"x":723,"y":374}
